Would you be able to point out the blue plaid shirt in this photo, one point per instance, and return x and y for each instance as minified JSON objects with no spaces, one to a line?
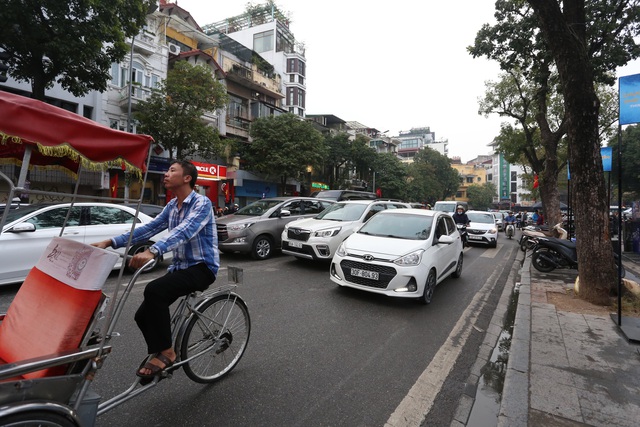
{"x":192,"y":233}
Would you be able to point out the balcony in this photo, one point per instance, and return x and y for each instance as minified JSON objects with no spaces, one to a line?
{"x":253,"y":78}
{"x":144,"y":44}
{"x":138,"y":94}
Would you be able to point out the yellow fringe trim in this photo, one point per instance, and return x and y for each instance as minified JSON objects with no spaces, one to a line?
{"x":66,"y":150}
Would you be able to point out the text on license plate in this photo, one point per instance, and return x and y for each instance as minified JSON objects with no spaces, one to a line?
{"x":373,"y":275}
{"x":475,"y":237}
{"x":295,"y":244}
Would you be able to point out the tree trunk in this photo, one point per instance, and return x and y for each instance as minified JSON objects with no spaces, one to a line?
{"x":564,"y":33}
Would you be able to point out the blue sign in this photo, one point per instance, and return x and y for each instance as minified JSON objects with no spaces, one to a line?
{"x":606,"y":153}
{"x":629,"y":96}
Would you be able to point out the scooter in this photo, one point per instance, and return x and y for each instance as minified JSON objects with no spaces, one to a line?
{"x":510,"y":229}
{"x":462,"y":229}
{"x":531,"y":232}
{"x":550,"y":253}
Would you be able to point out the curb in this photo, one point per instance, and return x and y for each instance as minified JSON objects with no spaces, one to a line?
{"x":465,"y":406}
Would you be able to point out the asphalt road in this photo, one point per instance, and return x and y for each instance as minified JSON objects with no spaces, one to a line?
{"x":320,"y":355}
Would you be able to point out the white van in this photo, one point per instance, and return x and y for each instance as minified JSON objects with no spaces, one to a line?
{"x":449,"y":206}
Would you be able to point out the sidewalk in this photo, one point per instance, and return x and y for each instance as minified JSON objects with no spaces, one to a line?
{"x":568,"y":369}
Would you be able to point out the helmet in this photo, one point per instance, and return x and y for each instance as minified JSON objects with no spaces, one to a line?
{"x":459,"y":207}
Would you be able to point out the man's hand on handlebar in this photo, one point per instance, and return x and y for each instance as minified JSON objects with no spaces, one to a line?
{"x":141,"y":258}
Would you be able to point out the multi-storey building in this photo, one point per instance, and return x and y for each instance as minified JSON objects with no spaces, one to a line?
{"x":418,"y":139}
{"x":471,"y":173}
{"x":265,"y":30}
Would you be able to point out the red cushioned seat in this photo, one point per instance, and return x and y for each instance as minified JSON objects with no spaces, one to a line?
{"x":45,"y":317}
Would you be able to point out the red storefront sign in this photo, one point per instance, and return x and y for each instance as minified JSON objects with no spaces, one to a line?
{"x":210,"y":172}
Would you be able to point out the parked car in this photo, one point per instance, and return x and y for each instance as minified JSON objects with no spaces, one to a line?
{"x":256,"y":229}
{"x":317,"y":238}
{"x":340,"y":195}
{"x":499,"y":219}
{"x":482,"y":228}
{"x":400,"y":253}
{"x":29,"y":230}
{"x":146,"y":208}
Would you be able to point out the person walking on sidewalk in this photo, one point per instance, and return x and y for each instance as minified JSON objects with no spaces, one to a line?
{"x":192,"y":238}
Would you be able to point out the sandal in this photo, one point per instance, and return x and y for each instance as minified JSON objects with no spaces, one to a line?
{"x":155,"y":369}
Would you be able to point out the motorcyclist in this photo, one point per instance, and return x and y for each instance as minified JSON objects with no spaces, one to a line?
{"x":460,"y":217}
{"x":509,"y":220}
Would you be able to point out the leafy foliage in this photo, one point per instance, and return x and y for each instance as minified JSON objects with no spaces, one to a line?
{"x":284,"y":146}
{"x":70,"y":42}
{"x":391,"y":176}
{"x":481,"y":195}
{"x":630,"y":161}
{"x":173,"y":114}
{"x":431,"y":177}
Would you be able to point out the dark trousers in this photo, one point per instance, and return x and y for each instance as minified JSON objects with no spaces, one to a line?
{"x":153,"y":316}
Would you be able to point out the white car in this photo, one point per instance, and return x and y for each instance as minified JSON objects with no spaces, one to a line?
{"x":29,"y":230}
{"x":482,"y":228}
{"x":499,"y":217}
{"x":317,"y":238}
{"x":400,"y":253}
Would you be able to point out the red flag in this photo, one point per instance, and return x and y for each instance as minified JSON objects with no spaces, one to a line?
{"x":535,"y":181}
{"x":379,"y":192}
{"x":113,"y":185}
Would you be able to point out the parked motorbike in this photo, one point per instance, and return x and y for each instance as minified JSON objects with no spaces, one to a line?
{"x":510,"y":229}
{"x":530,"y":232}
{"x":462,"y":229}
{"x":550,"y":253}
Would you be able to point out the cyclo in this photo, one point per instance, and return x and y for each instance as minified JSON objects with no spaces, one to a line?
{"x":57,"y":332}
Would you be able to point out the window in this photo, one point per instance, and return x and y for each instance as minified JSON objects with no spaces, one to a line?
{"x":469,"y":180}
{"x":489,"y":177}
{"x":514,"y":176}
{"x":441,"y":229}
{"x":514,"y":187}
{"x":54,"y":218}
{"x":292,"y":78}
{"x":104,"y":215}
{"x":450,"y":224}
{"x":263,"y":42}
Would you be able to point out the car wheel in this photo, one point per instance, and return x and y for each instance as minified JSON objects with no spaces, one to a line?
{"x":136,"y":249}
{"x":429,"y":287}
{"x":458,"y":271}
{"x":262,"y":247}
{"x":494,"y":244}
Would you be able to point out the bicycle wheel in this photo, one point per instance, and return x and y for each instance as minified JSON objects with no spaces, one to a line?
{"x":37,"y":419}
{"x":221,"y":329}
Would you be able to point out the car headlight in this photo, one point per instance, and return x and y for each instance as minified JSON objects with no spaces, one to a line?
{"x":239,"y":227}
{"x":493,"y":231}
{"x":413,"y":258}
{"x":341,"y":251}
{"x":329,"y":232}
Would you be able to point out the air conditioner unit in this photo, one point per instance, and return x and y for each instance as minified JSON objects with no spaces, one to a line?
{"x":174,"y":49}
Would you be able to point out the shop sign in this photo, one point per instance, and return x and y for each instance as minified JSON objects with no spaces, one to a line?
{"x":211,"y":172}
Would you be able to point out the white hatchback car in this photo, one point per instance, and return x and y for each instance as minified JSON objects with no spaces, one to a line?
{"x":29,"y":230}
{"x":400,"y":253}
{"x":318,"y":237}
{"x":482,"y":228}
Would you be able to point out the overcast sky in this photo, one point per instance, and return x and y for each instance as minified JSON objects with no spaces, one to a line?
{"x":391,"y":65}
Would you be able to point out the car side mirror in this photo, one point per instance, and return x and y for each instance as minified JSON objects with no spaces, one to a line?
{"x":446,"y":240}
{"x":285,"y":212}
{"x":23,"y":227}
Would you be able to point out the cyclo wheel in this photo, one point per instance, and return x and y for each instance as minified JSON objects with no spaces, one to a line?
{"x":221,"y":326}
{"x":37,"y":418}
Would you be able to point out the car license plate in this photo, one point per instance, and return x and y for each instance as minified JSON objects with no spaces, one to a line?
{"x":475,"y":237}
{"x":373,"y":275}
{"x":295,"y":244}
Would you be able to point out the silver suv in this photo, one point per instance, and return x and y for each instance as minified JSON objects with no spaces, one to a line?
{"x":257,"y":227}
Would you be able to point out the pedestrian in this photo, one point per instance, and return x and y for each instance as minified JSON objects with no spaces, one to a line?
{"x":540,"y":220}
{"x":535,"y":216}
{"x":192,"y":238}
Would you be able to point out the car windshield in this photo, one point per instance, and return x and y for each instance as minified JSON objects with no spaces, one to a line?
{"x":410,"y":227}
{"x":445,"y":207}
{"x":485,"y":218}
{"x":258,"y":207}
{"x":342,"y":212}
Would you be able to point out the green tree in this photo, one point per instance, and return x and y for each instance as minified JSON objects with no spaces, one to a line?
{"x":284,"y":146}
{"x":481,"y":196}
{"x":390,"y":176}
{"x":173,"y":114}
{"x":338,"y":154}
{"x":70,"y":42}
{"x":361,"y":157}
{"x":431,"y":177}
{"x":588,"y":41}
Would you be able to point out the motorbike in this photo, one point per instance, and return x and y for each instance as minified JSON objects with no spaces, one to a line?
{"x":510,"y":229}
{"x":531,"y":232}
{"x":550,"y":253}
{"x":462,"y":229}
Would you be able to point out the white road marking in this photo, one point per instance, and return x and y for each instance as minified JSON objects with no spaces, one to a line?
{"x":414,"y":408}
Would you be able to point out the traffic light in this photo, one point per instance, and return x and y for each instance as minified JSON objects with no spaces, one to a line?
{"x":3,"y":66}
